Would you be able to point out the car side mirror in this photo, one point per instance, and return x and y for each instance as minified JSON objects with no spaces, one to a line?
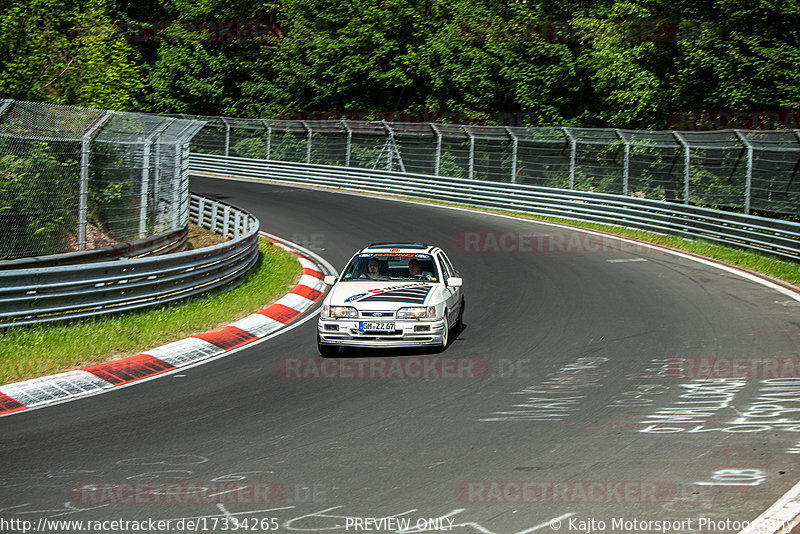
{"x":454,"y":281}
{"x":329,"y":279}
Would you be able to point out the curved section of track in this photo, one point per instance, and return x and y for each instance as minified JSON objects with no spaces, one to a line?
{"x":563,"y":399}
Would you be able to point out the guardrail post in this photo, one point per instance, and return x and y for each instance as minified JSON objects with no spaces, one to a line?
{"x":201,"y":211}
{"x":83,"y":191}
{"x":687,"y":155}
{"x":308,"y":142}
{"x":213,"y":225}
{"x":226,"y":223}
{"x":349,"y":145}
{"x":438,"y":134}
{"x":268,"y":126}
{"x":471,"y":151}
{"x":514,"y":147}
{"x":748,"y":179}
{"x":227,"y":136}
{"x":573,"y":142}
{"x":625,"y":163}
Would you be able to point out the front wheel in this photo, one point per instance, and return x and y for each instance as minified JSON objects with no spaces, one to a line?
{"x":326,"y":351}
{"x":445,"y":334}
{"x":459,"y":326}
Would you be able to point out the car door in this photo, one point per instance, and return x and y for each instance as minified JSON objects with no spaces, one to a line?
{"x":452,"y":294}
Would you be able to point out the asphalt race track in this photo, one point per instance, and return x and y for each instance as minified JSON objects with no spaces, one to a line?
{"x":596,"y":387}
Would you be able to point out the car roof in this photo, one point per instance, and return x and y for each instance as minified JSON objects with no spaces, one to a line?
{"x":399,"y":247}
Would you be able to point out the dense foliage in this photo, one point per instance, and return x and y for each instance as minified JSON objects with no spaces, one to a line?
{"x":621,"y":63}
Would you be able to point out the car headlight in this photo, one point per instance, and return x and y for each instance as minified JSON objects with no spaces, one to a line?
{"x":419,"y":312}
{"x":339,"y":312}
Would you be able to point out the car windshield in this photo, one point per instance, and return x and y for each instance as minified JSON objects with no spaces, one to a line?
{"x":371,"y":266}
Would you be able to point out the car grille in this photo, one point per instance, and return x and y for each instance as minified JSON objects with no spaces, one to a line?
{"x":376,"y":314}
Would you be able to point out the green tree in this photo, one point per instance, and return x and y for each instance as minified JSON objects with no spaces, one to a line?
{"x":66,"y":53}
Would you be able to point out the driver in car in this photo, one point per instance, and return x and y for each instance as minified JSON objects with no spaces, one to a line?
{"x":415,"y":269}
{"x":374,"y":269}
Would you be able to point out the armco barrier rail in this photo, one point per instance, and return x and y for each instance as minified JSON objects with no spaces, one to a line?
{"x":163,"y":243}
{"x":773,"y":236}
{"x":47,"y":294}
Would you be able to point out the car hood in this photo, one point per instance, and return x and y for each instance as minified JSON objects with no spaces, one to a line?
{"x":380,"y":295}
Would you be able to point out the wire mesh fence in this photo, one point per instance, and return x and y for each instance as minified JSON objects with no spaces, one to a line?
{"x":737,"y":170}
{"x":74,"y":179}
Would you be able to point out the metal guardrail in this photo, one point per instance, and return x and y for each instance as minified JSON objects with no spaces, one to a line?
{"x":163,"y":243}
{"x":773,"y":236}
{"x":39,"y":295}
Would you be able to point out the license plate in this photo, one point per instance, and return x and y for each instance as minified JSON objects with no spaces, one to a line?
{"x":376,"y":327}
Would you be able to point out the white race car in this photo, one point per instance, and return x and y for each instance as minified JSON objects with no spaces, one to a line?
{"x":392,"y":295}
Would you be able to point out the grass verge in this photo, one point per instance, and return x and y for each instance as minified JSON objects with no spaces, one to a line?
{"x":27,"y":352}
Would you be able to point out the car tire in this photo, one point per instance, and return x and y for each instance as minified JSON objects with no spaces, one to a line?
{"x":459,"y":326}
{"x":326,"y":351}
{"x":445,"y":335}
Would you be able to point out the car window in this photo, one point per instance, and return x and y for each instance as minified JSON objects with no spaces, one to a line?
{"x":391,"y":266}
{"x":447,"y":269}
{"x":447,"y":264}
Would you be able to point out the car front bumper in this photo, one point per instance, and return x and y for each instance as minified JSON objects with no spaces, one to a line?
{"x":347,"y":333}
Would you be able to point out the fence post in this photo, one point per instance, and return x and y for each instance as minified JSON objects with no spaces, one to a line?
{"x":227,"y":136}
{"x":349,"y":145}
{"x":471,"y":151}
{"x":268,"y":126}
{"x":144,"y":190}
{"x":748,"y":180}
{"x":438,"y":134}
{"x":308,"y":141}
{"x":625,"y":163}
{"x":687,"y":155}
{"x":389,"y":145}
{"x":514,"y":148}
{"x":573,"y":143}
{"x":83,"y":192}
{"x":6,"y":102}
{"x":180,"y":177}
